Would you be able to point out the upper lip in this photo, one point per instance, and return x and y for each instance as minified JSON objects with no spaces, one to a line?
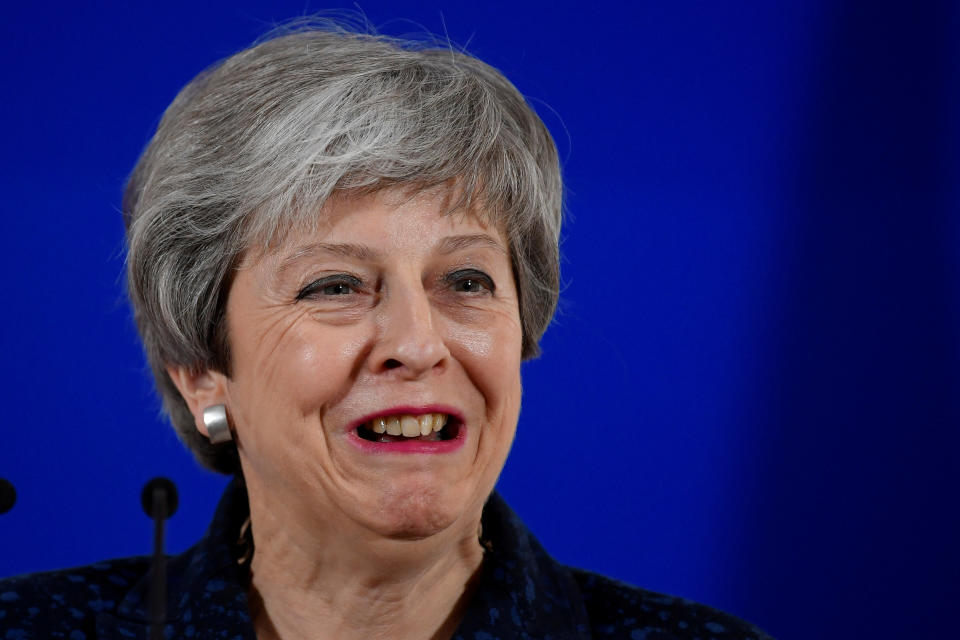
{"x":407,"y":410}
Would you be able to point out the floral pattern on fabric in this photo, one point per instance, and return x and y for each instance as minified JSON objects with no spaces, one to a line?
{"x":522,"y":594}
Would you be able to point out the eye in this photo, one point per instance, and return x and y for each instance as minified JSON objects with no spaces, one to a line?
{"x":336,"y":289}
{"x":471,"y":281}
{"x":330,"y":286}
{"x":469,"y":285}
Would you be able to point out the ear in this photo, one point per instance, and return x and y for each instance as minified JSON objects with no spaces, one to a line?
{"x":200,"y":390}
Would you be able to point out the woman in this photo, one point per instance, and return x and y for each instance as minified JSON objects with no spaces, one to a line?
{"x":341,"y":247}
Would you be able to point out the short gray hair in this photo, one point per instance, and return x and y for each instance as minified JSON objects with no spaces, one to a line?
{"x":252,"y":147}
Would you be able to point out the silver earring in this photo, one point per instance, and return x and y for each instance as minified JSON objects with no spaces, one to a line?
{"x":218,"y":427}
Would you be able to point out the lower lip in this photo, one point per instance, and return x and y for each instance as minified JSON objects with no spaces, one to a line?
{"x":413,"y":445}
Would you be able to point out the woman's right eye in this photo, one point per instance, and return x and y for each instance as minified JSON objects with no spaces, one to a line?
{"x":337,"y":289}
{"x":331,"y":286}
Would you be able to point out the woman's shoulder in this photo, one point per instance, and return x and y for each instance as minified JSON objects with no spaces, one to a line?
{"x":619,"y":610}
{"x":598,"y":606}
{"x":66,"y":601}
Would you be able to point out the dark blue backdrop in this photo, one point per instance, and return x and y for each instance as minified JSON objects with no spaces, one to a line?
{"x":750,"y":396}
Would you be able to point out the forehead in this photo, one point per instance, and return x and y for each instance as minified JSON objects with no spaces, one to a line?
{"x":394,"y":210}
{"x":371,"y":225}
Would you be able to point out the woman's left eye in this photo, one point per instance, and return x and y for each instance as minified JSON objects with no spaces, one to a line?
{"x":471,"y":281}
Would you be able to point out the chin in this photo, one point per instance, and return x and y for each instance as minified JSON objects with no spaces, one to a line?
{"x":417,"y":514}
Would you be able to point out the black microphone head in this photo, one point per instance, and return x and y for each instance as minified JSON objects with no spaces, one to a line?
{"x":152,"y":489}
{"x":8,"y":496}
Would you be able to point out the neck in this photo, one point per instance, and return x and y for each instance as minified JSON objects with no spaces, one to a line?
{"x":330,"y":580}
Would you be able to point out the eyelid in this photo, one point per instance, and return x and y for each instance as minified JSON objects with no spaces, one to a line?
{"x":326,"y":281}
{"x":470,"y":273}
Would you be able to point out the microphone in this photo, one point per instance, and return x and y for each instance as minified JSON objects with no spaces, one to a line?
{"x":159,"y":500}
{"x":8,"y":496}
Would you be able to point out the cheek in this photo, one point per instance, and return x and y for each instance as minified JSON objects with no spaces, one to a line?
{"x":322,"y":364}
{"x":300,"y":371}
{"x":490,"y":352}
{"x":494,"y":342}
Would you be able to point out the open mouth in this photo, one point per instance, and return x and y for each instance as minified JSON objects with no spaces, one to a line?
{"x":428,"y":427}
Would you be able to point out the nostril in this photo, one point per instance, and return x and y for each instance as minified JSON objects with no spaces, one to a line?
{"x":392,"y":364}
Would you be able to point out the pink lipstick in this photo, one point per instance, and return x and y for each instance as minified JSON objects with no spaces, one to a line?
{"x":450,"y":438}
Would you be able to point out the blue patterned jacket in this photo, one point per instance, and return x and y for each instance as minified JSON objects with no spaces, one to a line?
{"x":522,"y":593}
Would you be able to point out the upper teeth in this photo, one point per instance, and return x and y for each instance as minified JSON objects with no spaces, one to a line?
{"x":408,"y":425}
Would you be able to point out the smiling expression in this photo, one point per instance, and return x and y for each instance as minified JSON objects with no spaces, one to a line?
{"x":392,"y":309}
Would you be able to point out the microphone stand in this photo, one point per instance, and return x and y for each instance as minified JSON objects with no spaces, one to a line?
{"x":158,"y":587}
{"x":159,"y":498}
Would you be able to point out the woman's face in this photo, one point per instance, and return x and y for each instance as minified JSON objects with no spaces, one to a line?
{"x":392,"y":310}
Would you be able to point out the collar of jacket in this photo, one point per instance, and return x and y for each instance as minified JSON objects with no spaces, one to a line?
{"x":522,"y":591}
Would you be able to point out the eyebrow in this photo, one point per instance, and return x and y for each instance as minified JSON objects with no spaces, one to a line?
{"x":448,"y":245}
{"x":452,"y":244}
{"x":346,"y":250}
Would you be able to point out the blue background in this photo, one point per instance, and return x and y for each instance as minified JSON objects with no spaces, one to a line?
{"x":750,"y":394}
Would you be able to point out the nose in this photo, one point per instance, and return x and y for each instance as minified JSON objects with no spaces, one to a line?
{"x":408,"y":343}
